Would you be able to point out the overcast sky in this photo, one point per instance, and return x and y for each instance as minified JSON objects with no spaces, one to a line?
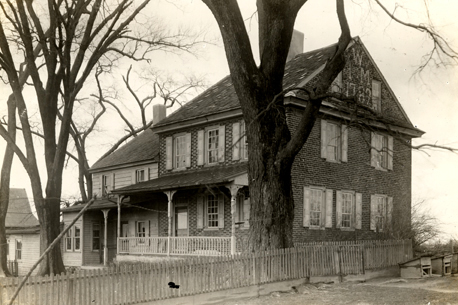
{"x":430,"y":98}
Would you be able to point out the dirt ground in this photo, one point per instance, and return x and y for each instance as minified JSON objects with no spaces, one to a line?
{"x":428,"y":291}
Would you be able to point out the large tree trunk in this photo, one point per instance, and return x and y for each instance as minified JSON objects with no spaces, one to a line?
{"x":5,"y":185}
{"x":49,"y":214}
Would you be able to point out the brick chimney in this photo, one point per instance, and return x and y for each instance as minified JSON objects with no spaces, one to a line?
{"x":159,"y":113}
{"x":297,"y":45}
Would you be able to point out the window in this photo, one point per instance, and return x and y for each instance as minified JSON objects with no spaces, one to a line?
{"x":337,"y":83}
{"x":18,"y":249}
{"x":382,"y":151}
{"x":212,"y":146}
{"x":334,"y":141}
{"x":239,"y":141}
{"x":381,"y":210}
{"x":104,"y":185}
{"x":317,"y":207}
{"x":212,"y":211}
{"x":347,"y":210}
{"x":376,"y":95}
{"x":180,"y":152}
{"x":139,"y":175}
{"x":7,"y":249}
{"x":141,"y":229}
{"x":95,"y":237}
{"x":73,"y":239}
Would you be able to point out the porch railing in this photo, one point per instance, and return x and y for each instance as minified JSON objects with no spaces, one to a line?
{"x":205,"y":246}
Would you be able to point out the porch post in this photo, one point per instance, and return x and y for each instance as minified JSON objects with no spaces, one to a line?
{"x":120,"y":198}
{"x":170,"y":215}
{"x":105,"y":234}
{"x":234,"y":190}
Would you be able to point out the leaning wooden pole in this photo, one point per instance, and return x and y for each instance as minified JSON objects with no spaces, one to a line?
{"x":51,"y":246}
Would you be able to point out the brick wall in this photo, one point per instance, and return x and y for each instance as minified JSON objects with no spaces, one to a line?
{"x":309,"y":169}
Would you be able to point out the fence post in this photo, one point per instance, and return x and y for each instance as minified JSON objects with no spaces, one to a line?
{"x":70,"y":298}
{"x":338,"y":263}
{"x":362,"y":258}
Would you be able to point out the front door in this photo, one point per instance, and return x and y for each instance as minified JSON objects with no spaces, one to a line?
{"x":181,"y":221}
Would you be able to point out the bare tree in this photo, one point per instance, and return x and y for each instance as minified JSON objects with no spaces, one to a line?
{"x":72,"y":37}
{"x":272,"y":147}
{"x":167,"y":91}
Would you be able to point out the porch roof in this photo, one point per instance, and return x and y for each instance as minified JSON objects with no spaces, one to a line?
{"x":99,"y":204}
{"x":191,"y":178}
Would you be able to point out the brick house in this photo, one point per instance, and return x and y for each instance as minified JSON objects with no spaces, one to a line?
{"x":351,"y":180}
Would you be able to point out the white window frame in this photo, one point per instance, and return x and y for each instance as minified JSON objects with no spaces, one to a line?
{"x":105,"y":185}
{"x":339,"y":139}
{"x":71,"y":238}
{"x":138,"y":175}
{"x":376,"y":99}
{"x":243,"y":141}
{"x":207,"y":145}
{"x":214,"y":222}
{"x":350,"y":213}
{"x":18,"y":250}
{"x":179,"y":158}
{"x":325,"y":209}
{"x":94,"y":224}
{"x":381,"y":212}
{"x":381,"y":151}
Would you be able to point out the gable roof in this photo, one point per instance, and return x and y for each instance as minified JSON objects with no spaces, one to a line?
{"x":144,"y":147}
{"x":222,"y":99}
{"x":19,"y":213}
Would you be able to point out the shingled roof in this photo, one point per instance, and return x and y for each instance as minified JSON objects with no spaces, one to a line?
{"x":19,"y":213}
{"x":144,"y":147}
{"x":191,"y":178}
{"x":221,"y":97}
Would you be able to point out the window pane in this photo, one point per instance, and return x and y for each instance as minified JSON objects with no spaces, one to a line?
{"x":333,"y":147}
{"x":95,"y":236}
{"x":180,"y":151}
{"x":347,"y":210}
{"x":18,"y":249}
{"x":77,"y":238}
{"x":316,"y":207}
{"x":212,"y":211}
{"x":212,"y":145}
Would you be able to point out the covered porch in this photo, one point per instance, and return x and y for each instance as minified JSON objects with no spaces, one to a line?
{"x":200,"y":212}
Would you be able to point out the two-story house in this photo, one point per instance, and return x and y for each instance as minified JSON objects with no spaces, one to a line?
{"x":351,"y":180}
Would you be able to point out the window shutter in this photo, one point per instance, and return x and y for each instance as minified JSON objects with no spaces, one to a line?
{"x":200,"y":147}
{"x":246,"y":212}
{"x":147,"y":229}
{"x":220,"y":211}
{"x":389,"y":212}
{"x":306,"y":216}
{"x":236,"y":141}
{"x":344,"y":143}
{"x":146,"y":174}
{"x":113,"y":180}
{"x":188,"y":149}
{"x":324,"y":143}
{"x":373,"y":149}
{"x":101,"y":185}
{"x":358,"y":211}
{"x":200,"y":212}
{"x":390,"y":153}
{"x":329,"y":195}
{"x":221,"y":143}
{"x":169,"y":152}
{"x":373,"y":210}
{"x":338,"y":209}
